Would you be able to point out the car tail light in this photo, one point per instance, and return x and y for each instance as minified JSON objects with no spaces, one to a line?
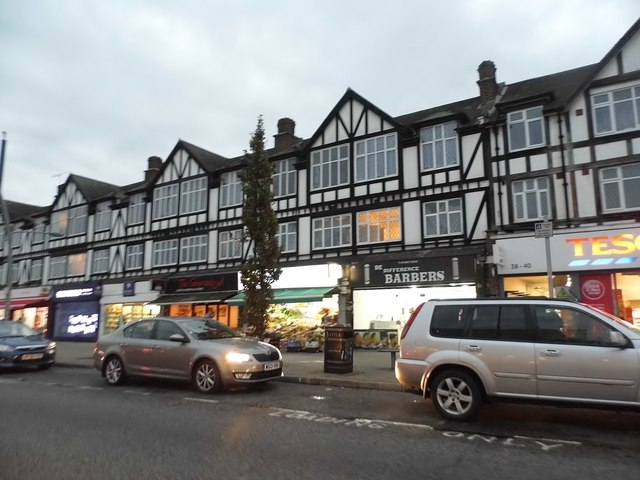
{"x":410,"y":321}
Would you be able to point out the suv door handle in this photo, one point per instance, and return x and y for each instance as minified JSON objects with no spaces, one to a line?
{"x":551,"y":352}
{"x":472,"y":348}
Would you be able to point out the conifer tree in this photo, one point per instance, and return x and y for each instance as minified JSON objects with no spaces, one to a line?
{"x":260,"y":267}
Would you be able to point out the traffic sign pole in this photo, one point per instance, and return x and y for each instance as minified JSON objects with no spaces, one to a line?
{"x":544,"y":230}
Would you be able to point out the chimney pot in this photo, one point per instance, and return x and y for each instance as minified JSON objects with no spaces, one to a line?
{"x":285,"y":138}
{"x":487,"y":83}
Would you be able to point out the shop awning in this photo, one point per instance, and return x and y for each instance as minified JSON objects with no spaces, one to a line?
{"x":291,"y":295}
{"x":23,"y":302}
{"x":195,"y":297}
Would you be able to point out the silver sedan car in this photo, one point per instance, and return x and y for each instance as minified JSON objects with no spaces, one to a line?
{"x":201,"y":350}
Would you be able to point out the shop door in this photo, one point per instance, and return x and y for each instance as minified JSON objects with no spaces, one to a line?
{"x":580,"y":363}
{"x":169,"y":358}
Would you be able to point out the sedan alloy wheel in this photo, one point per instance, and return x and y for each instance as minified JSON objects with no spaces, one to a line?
{"x":206,"y":377}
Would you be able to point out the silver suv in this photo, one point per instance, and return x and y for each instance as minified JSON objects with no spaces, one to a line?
{"x":462,"y":352}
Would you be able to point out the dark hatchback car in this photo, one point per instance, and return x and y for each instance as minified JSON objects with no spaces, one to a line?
{"x":22,"y":346}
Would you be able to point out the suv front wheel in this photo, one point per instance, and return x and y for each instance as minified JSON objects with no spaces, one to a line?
{"x":455,"y":394}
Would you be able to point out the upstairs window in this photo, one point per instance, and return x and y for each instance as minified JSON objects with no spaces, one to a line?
{"x":165,"y":253}
{"x":443,"y":217}
{"x":284,"y":178}
{"x":376,"y":158}
{"x":16,"y":237}
{"x":77,"y":265}
{"x":379,"y":226}
{"x":57,"y":267}
{"x":78,"y":220}
{"x":36,"y":270}
{"x":287,"y":237}
{"x":134,"y":257}
{"x":165,"y":201}
{"x":102,"y":217}
{"x":136,"y":209}
{"x":525,"y":129}
{"x":620,"y":188}
{"x":230,"y":189}
{"x":194,"y":249}
{"x":330,"y":167}
{"x":531,"y":199}
{"x":38,"y":233}
{"x":331,"y":232}
{"x":230,"y":245}
{"x":193,"y":196}
{"x":617,"y":110}
{"x":100,"y":261}
{"x":439,"y":146}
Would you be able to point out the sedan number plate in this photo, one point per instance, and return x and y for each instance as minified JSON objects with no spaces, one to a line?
{"x":31,"y":356}
{"x":272,"y":366}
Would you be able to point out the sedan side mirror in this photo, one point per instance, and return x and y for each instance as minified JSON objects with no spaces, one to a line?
{"x":176,"y":337}
{"x":617,"y":339}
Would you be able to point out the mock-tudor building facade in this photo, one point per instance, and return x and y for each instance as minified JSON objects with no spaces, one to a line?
{"x":448,"y":201}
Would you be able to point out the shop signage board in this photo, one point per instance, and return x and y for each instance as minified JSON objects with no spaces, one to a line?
{"x":416,"y":272}
{"x":205,"y":283}
{"x":572,"y":250}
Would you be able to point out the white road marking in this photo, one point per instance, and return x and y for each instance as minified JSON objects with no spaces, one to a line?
{"x":545,"y":444}
{"x":204,"y":400}
{"x":89,"y":387}
{"x":137,"y":392}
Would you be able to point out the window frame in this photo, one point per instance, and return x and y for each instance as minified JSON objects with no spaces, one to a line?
{"x":287,"y":237}
{"x":131,"y":254}
{"x":322,"y":165}
{"x":383,"y":225}
{"x":136,"y":210}
{"x":438,"y":145}
{"x":193,"y":195}
{"x":443,"y":208}
{"x":37,"y":265}
{"x":100,"y":263}
{"x":231,"y":193}
{"x":102,"y":218}
{"x":194,"y":249}
{"x":524,"y":195}
{"x":526,"y":125}
{"x":610,"y":105}
{"x":284,"y":180}
{"x":618,"y":183}
{"x":165,"y":201}
{"x":230,"y":245}
{"x":332,"y":228}
{"x":366,"y":160}
{"x":165,"y":253}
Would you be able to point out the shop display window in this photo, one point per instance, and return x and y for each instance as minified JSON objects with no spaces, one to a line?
{"x":118,"y":314}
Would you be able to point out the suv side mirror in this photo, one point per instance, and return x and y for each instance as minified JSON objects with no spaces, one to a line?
{"x":617,"y":339}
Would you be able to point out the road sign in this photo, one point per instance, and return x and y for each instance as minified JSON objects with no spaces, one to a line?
{"x":543,"y":229}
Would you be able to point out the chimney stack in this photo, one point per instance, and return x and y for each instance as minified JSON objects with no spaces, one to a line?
{"x":285,"y":138}
{"x":488,"y":85}
{"x":154,"y":166}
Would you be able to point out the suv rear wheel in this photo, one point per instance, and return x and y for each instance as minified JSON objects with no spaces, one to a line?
{"x":455,"y":394}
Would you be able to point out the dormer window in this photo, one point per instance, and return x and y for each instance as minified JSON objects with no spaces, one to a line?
{"x":376,"y":158}
{"x":525,"y":129}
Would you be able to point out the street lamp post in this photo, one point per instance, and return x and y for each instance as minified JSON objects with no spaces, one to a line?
{"x":7,"y":234}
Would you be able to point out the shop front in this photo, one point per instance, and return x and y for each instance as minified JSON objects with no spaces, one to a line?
{"x":125,"y":302}
{"x":387,"y":290}
{"x":29,"y":306}
{"x":76,"y":312}
{"x":200,"y":296}
{"x":600,"y":267}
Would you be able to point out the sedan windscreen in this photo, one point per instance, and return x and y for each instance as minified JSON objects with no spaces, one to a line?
{"x":208,"y":329}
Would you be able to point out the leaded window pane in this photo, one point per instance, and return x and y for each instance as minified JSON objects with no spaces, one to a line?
{"x":624,"y":115}
{"x":612,"y":196}
{"x":632,"y":192}
{"x":517,"y":136}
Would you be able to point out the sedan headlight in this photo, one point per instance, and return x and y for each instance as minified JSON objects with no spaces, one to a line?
{"x":5,"y":348}
{"x":235,"y":357}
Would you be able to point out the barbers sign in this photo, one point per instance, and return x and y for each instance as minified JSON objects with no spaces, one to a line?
{"x":416,"y":272}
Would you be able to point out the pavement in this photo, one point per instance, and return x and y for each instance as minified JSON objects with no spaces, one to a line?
{"x":371,"y":369}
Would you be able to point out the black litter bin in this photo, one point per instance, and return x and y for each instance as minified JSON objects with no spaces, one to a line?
{"x":338,"y":349}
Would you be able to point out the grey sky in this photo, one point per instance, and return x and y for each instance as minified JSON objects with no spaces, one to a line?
{"x":95,"y":87}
